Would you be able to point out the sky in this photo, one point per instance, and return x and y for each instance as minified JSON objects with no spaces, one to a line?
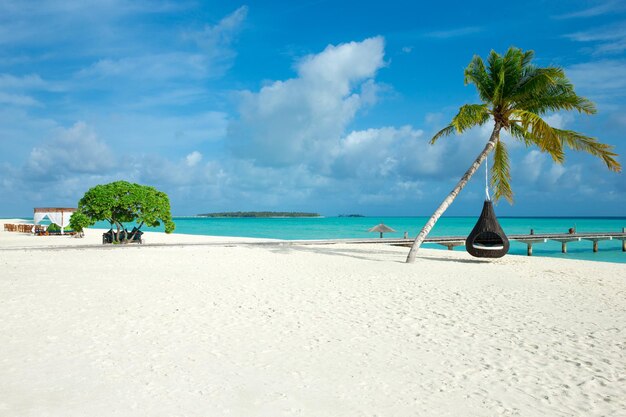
{"x":316,"y":106}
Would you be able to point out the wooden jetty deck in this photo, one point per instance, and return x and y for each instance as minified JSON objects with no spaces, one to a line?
{"x":448,"y":241}
{"x":530,"y":239}
{"x":452,"y":241}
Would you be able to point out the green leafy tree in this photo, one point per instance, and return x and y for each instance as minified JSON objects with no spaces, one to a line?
{"x":78,"y":222}
{"x":515,"y":94}
{"x":123,"y":202}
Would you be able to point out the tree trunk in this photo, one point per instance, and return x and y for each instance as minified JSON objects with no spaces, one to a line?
{"x":132,"y":237}
{"x":117,"y":234}
{"x":450,"y":198}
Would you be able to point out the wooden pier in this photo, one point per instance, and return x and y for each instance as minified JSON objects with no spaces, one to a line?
{"x":530,"y":239}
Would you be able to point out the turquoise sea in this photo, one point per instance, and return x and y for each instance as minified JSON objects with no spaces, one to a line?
{"x":356,"y":227}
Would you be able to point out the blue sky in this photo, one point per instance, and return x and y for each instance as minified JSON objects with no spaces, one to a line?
{"x":322,"y":106}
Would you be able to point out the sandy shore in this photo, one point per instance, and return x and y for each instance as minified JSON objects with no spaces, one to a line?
{"x":334,"y":330}
{"x":93,"y":237}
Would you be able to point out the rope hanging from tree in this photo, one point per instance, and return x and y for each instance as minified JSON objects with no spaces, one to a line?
{"x":487,"y":178}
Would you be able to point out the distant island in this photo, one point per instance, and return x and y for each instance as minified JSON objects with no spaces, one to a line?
{"x":259,"y":214}
{"x":351,"y":215}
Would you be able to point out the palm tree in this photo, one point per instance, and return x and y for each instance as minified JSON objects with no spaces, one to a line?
{"x":515,"y":94}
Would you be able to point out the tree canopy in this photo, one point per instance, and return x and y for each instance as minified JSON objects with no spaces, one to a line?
{"x":123,"y":202}
{"x":515,"y":94}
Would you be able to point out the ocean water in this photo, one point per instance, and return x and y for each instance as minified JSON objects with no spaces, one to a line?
{"x":356,"y":227}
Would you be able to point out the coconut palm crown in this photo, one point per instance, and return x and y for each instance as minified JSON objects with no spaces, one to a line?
{"x":515,"y":94}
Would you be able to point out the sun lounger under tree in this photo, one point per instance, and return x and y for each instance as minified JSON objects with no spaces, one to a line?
{"x":515,"y":94}
{"x":122,"y":202}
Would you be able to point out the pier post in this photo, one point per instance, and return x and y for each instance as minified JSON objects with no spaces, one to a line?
{"x":623,"y":241}
{"x":450,"y":244}
{"x":595,"y":245}
{"x":530,"y":241}
{"x":563,"y":247}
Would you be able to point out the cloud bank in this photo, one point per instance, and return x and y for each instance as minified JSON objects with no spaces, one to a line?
{"x":168,"y":105}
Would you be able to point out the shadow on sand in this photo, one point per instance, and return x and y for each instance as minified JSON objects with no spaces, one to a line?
{"x":369,"y":255}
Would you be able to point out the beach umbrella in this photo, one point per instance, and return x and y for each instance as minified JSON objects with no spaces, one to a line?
{"x":382,"y":228}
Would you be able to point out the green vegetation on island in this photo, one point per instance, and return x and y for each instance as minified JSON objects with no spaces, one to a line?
{"x":260,"y":214}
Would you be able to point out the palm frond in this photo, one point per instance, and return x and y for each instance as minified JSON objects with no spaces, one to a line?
{"x":470,"y":115}
{"x":541,"y":134}
{"x":558,"y":96}
{"x":496,"y":73}
{"x":527,"y":58}
{"x":580,"y":142}
{"x":543,"y":105}
{"x":513,"y":73}
{"x":535,"y":82}
{"x":517,"y":95}
{"x":500,"y":173}
{"x":520,"y":134}
{"x":476,"y":74}
{"x":446,"y":131}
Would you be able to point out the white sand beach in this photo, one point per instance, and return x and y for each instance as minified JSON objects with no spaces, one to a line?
{"x":286,"y":330}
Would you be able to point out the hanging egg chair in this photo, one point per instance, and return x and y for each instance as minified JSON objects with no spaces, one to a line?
{"x":487,"y":239}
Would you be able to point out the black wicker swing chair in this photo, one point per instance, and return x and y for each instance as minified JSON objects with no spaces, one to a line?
{"x":487,"y":239}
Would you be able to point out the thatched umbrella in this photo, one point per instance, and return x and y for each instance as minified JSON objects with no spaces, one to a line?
{"x":382,"y":228}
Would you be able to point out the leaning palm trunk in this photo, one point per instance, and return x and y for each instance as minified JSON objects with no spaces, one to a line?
{"x":516,"y":94}
{"x":450,"y":198}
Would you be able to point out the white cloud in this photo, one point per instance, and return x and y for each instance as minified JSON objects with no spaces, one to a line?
{"x":532,"y":165}
{"x":559,"y":120}
{"x":30,"y":81}
{"x":18,"y":100}
{"x":223,"y":33}
{"x":150,"y":67}
{"x":434,"y":119}
{"x":400,"y":153}
{"x":180,"y":134}
{"x":45,"y":22}
{"x":18,"y":90}
{"x":155,"y":169}
{"x":216,"y":41}
{"x":600,"y":77}
{"x":193,"y":158}
{"x":19,"y":131}
{"x":454,"y":33}
{"x":169,"y":97}
{"x":303,"y":119}
{"x":538,"y":172}
{"x":212,"y":58}
{"x":76,"y":150}
{"x":600,"y":9}
{"x":341,"y":66}
{"x":556,"y":172}
{"x":606,"y":40}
